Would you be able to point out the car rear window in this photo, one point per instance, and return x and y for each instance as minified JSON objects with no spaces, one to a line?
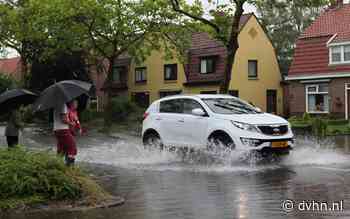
{"x":171,"y":106}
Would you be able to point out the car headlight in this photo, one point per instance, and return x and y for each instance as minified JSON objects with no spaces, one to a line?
{"x":245,"y":126}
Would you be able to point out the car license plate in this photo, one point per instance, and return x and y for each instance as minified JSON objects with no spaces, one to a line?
{"x":279,"y":144}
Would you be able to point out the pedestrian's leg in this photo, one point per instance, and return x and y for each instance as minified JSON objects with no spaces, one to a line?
{"x":60,"y":145}
{"x":70,"y":148}
{"x":11,"y":141}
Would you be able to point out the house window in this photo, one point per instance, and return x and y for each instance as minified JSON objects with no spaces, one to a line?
{"x":140,"y":75}
{"x":339,"y":54}
{"x":209,"y":92}
{"x":207,"y":65}
{"x":170,"y":72}
{"x":336,"y":54}
{"x":347,"y":53}
{"x":252,"y":68}
{"x":317,"y":98}
{"x":234,"y":93}
{"x":168,"y":93}
{"x":117,"y":73}
{"x":141,"y":99}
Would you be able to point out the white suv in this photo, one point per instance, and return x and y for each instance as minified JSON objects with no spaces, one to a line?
{"x":198,"y":121}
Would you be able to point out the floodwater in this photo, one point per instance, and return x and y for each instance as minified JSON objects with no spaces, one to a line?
{"x":167,"y":185}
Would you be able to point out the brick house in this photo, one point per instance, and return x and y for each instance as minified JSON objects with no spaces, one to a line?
{"x":318,"y":81}
{"x":11,"y":67}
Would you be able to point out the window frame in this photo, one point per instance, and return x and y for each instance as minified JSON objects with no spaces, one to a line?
{"x":205,"y":58}
{"x":342,"y":54}
{"x":189,"y":99}
{"x":307,"y":93}
{"x":174,"y":70}
{"x":169,"y":100}
{"x":257,"y":69}
{"x":122,"y":69}
{"x":143,"y":79}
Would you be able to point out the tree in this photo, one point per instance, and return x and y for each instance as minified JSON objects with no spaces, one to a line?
{"x":118,"y":27}
{"x":39,"y":30}
{"x":285,"y":20}
{"x":224,"y":26}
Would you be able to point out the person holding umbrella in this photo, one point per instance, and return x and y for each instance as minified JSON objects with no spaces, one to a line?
{"x":56,"y":97}
{"x":10,"y":101}
{"x":12,"y":128}
{"x":66,"y":145}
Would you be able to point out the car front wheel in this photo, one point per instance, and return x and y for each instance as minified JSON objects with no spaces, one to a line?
{"x":220,"y":141}
{"x":152,"y":141}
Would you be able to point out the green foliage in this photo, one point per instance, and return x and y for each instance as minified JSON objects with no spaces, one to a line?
{"x":319,"y":126}
{"x":285,"y":20}
{"x":27,"y":174}
{"x":27,"y":114}
{"x":90,"y":114}
{"x":30,"y":177}
{"x":306,"y":117}
{"x":6,"y":82}
{"x":121,"y":108}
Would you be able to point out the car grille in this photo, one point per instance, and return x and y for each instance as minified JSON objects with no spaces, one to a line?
{"x":274,"y":129}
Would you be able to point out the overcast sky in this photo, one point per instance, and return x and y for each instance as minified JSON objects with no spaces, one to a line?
{"x":247,"y":7}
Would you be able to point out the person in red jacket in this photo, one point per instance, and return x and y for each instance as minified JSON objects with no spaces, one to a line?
{"x":73,"y":117}
{"x":66,"y":145}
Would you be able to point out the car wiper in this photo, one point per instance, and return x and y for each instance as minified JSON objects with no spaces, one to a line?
{"x":244,"y":107}
{"x":229,"y":108}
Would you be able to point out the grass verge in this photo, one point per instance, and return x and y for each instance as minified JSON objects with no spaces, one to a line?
{"x":29,"y":179}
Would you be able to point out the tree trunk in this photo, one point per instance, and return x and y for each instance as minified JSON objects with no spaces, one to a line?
{"x":232,"y":47}
{"x":108,"y":106}
{"x":224,"y":86}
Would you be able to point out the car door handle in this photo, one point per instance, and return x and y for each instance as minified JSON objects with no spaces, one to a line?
{"x":158,"y":119}
{"x":181,"y":120}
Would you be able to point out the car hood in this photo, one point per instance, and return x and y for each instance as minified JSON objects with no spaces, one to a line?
{"x":255,"y":119}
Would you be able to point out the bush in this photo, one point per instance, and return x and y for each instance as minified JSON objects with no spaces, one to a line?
{"x":30,"y":177}
{"x":120,"y":109}
{"x":319,"y":126}
{"x":27,"y":114}
{"x":89,"y":114}
{"x":306,"y":117}
{"x":6,"y":82}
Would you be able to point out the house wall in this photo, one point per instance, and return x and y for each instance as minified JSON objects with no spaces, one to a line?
{"x":155,"y":76}
{"x":256,"y":46}
{"x":297,"y":99}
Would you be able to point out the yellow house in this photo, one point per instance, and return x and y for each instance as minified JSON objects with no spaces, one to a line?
{"x":255,"y":76}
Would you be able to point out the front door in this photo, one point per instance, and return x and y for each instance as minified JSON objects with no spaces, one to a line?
{"x":271,"y":101}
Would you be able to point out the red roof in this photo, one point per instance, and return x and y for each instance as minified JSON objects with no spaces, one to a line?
{"x":202,"y":40}
{"x":11,"y":66}
{"x":311,"y":55}
{"x":330,"y":22}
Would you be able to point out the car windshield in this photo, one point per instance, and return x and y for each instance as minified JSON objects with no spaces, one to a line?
{"x":229,"y":106}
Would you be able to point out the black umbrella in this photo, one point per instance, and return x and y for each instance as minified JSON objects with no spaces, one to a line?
{"x":60,"y":93}
{"x":14,"y":98}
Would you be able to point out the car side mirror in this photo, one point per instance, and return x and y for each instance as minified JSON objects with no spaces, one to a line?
{"x":198,"y":112}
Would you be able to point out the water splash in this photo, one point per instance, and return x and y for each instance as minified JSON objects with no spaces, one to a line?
{"x":131,"y":154}
{"x":309,"y":151}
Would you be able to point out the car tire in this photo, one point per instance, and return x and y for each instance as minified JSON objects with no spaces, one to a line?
{"x":220,"y":141}
{"x":152,"y":141}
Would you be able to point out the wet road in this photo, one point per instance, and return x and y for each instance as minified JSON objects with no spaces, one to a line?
{"x":164,"y":185}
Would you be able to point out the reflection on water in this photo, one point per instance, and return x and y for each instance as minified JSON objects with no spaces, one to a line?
{"x":165,"y":185}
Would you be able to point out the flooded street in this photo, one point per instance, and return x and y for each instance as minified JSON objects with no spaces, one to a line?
{"x":166,"y":185}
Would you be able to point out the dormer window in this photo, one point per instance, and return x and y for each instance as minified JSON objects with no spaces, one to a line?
{"x":339,"y":54}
